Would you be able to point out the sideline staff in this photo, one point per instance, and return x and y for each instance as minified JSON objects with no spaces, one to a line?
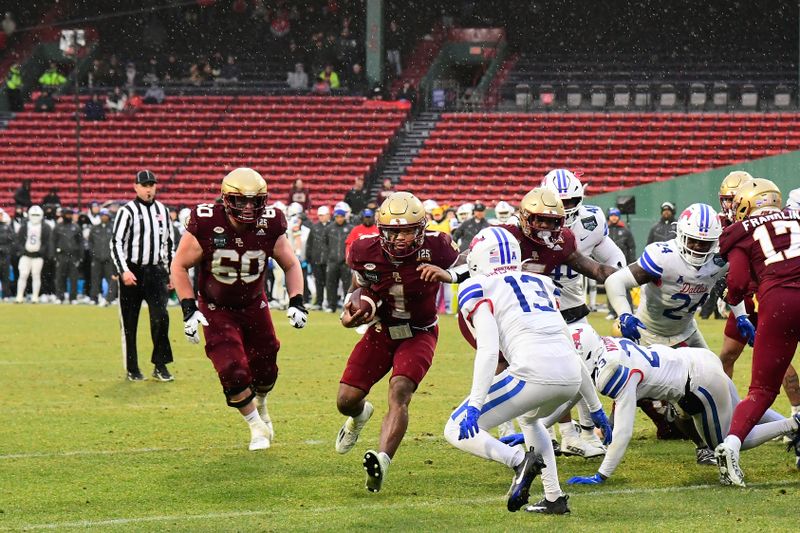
{"x":142,"y":251}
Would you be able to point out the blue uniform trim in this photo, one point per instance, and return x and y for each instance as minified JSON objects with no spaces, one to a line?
{"x":715,"y":417}
{"x":465,"y":297}
{"x":499,"y":235}
{"x":650,"y":266}
{"x":616,"y":382}
{"x":504,"y":397}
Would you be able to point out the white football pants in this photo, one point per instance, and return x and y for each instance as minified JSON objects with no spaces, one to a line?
{"x":30,"y":266}
{"x":510,"y":397}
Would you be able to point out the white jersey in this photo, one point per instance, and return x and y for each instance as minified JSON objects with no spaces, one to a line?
{"x":533,"y":336}
{"x":591,"y":238}
{"x":668,"y":304}
{"x":33,"y":241}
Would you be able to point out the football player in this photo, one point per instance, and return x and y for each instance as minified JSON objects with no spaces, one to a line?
{"x":588,"y":224}
{"x":691,"y":378}
{"x":230,"y":243}
{"x":762,"y":245}
{"x":402,"y":336}
{"x":510,"y":311}
{"x":502,"y":213}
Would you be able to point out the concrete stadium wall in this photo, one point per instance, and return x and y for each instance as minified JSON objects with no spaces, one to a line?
{"x":783,"y":169}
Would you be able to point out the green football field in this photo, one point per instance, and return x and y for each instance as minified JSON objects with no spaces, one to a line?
{"x":81,"y":448}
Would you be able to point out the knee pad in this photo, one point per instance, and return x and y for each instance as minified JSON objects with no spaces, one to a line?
{"x":238,"y":404}
{"x":264,"y":389}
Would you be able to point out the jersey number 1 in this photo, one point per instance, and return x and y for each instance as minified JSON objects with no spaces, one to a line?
{"x":541,"y":292}
{"x":780,"y":226}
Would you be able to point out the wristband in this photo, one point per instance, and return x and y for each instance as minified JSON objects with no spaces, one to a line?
{"x":189,"y":306}
{"x":296,"y":301}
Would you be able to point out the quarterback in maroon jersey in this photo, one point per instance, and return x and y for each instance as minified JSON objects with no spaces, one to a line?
{"x":230,"y":243}
{"x":403,"y":334}
{"x":763,"y":245}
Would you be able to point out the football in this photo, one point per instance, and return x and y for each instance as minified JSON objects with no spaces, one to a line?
{"x":365,"y":299}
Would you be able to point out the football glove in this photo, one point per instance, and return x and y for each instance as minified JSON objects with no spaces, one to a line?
{"x":192,"y":318}
{"x":469,"y":424}
{"x":746,"y":329}
{"x":630,"y":325}
{"x":601,"y":420}
{"x":514,"y":439}
{"x":596,"y":479}
{"x":297,"y":313}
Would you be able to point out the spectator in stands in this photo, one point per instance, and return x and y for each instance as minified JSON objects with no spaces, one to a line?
{"x":116,"y":100}
{"x":173,"y":69}
{"x":464,"y":233}
{"x":438,"y":221}
{"x":44,"y":102}
{"x":347,"y":48}
{"x":357,"y":81}
{"x":230,"y":72}
{"x":367,"y":227}
{"x":299,"y":194}
{"x":356,"y":197}
{"x":196,"y":75}
{"x":387,"y":188}
{"x":14,"y":89}
{"x":153,"y":74}
{"x":298,"y":79}
{"x":52,"y":79}
{"x":664,"y":229}
{"x":393,"y":44}
{"x":9,"y":24}
{"x":98,"y":75}
{"x":621,"y":235}
{"x":154,"y":95}
{"x":130,"y":74}
{"x":134,"y":102}
{"x":116,"y":74}
{"x":216,"y":63}
{"x":280,"y":25}
{"x":316,"y":256}
{"x":94,"y":110}
{"x":329,"y":76}
{"x":408,"y":93}
{"x":338,"y":273}
{"x":51,"y":199}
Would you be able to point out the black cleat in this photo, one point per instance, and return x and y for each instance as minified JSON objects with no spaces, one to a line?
{"x":705,"y":456}
{"x":524,"y":474}
{"x":794,"y":444}
{"x":556,"y":447}
{"x":547,"y":507}
{"x":135,"y":375}
{"x":161,"y":373}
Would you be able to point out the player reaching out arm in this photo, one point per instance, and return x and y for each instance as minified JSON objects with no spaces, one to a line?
{"x":230,"y":244}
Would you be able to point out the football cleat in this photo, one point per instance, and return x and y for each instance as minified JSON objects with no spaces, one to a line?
{"x":259,"y":436}
{"x":577,"y":446}
{"x":794,"y":442}
{"x":556,"y":446}
{"x":524,"y":474}
{"x":705,"y":456}
{"x":376,"y":468}
{"x":261,"y":406}
{"x":728,"y":464}
{"x":545,"y":506}
{"x":348,"y":435}
{"x":589,"y":437}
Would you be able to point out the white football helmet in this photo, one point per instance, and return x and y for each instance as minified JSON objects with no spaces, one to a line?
{"x":503,"y":211}
{"x":569,"y":188}
{"x":464,"y":211}
{"x":698,"y":230}
{"x":280,"y":206}
{"x":588,"y":343}
{"x":611,"y":374}
{"x":295,"y":209}
{"x":35,"y":214}
{"x":793,"y":202}
{"x":183,"y":216}
{"x":494,"y":251}
{"x":429,"y":206}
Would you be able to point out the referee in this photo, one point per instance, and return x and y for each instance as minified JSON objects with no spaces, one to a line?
{"x":141,"y":248}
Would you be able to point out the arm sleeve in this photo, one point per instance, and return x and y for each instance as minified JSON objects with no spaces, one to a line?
{"x":624,"y":415}
{"x":608,"y":253}
{"x":121,"y":228}
{"x":587,"y":390}
{"x":487,"y":338}
{"x":617,"y":286}
{"x":651,"y":259}
{"x":739,"y":276}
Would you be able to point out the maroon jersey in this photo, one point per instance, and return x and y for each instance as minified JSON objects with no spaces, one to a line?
{"x":406,"y":298}
{"x":538,"y":257}
{"x":762,"y":249}
{"x":231,"y":272}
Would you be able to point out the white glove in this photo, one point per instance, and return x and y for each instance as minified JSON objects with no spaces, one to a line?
{"x":297,"y":314}
{"x":190,"y":327}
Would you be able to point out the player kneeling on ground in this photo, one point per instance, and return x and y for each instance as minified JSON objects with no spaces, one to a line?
{"x":517,"y":313}
{"x":230,"y":244}
{"x":691,"y":378}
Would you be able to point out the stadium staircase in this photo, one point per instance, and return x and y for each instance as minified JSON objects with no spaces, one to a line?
{"x":489,"y":157}
{"x":192,"y":142}
{"x":408,"y":146}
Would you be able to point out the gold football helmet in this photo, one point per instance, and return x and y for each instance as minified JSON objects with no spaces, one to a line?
{"x":401,"y":222}
{"x":244,"y":195}
{"x":541,"y":216}
{"x":728,"y":188}
{"x":755,"y":195}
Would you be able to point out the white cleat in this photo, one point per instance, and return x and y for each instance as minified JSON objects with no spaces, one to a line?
{"x":376,"y":466}
{"x":591,"y":438}
{"x":259,"y":437}
{"x":348,"y":435}
{"x":261,"y":406}
{"x":728,"y":464}
{"x":577,"y":446}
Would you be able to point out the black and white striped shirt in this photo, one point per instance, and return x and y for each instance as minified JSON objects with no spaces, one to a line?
{"x":142,"y":235}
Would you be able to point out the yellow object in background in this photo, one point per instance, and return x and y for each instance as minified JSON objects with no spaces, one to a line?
{"x":635,"y":295}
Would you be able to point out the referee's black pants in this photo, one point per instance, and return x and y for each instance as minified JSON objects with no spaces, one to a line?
{"x":151,"y":286}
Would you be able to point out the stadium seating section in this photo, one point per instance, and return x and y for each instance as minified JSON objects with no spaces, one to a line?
{"x":192,"y":142}
{"x":490,"y":157}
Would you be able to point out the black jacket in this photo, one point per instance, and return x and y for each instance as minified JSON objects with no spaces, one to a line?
{"x":315,"y":245}
{"x":662,"y":231}
{"x":68,"y":239}
{"x":100,"y":241}
{"x":464,"y":234}
{"x":357,"y":200}
{"x":335,"y":236}
{"x":6,"y":241}
{"x":623,"y":238}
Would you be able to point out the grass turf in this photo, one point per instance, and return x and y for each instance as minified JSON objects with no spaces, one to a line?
{"x":83,"y":449}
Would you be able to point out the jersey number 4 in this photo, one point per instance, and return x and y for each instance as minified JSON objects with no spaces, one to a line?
{"x":780,"y":226}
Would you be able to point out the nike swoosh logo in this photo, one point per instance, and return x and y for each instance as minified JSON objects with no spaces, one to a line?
{"x":584,"y":238}
{"x":521,"y":475}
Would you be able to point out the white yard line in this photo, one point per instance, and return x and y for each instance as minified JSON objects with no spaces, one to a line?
{"x":600,"y":493}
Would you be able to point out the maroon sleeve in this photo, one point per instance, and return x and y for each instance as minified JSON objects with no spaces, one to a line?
{"x":354,"y":256}
{"x":730,"y":236}
{"x":739,"y":275}
{"x":569,"y":245}
{"x":448,"y":252}
{"x":192,"y":225}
